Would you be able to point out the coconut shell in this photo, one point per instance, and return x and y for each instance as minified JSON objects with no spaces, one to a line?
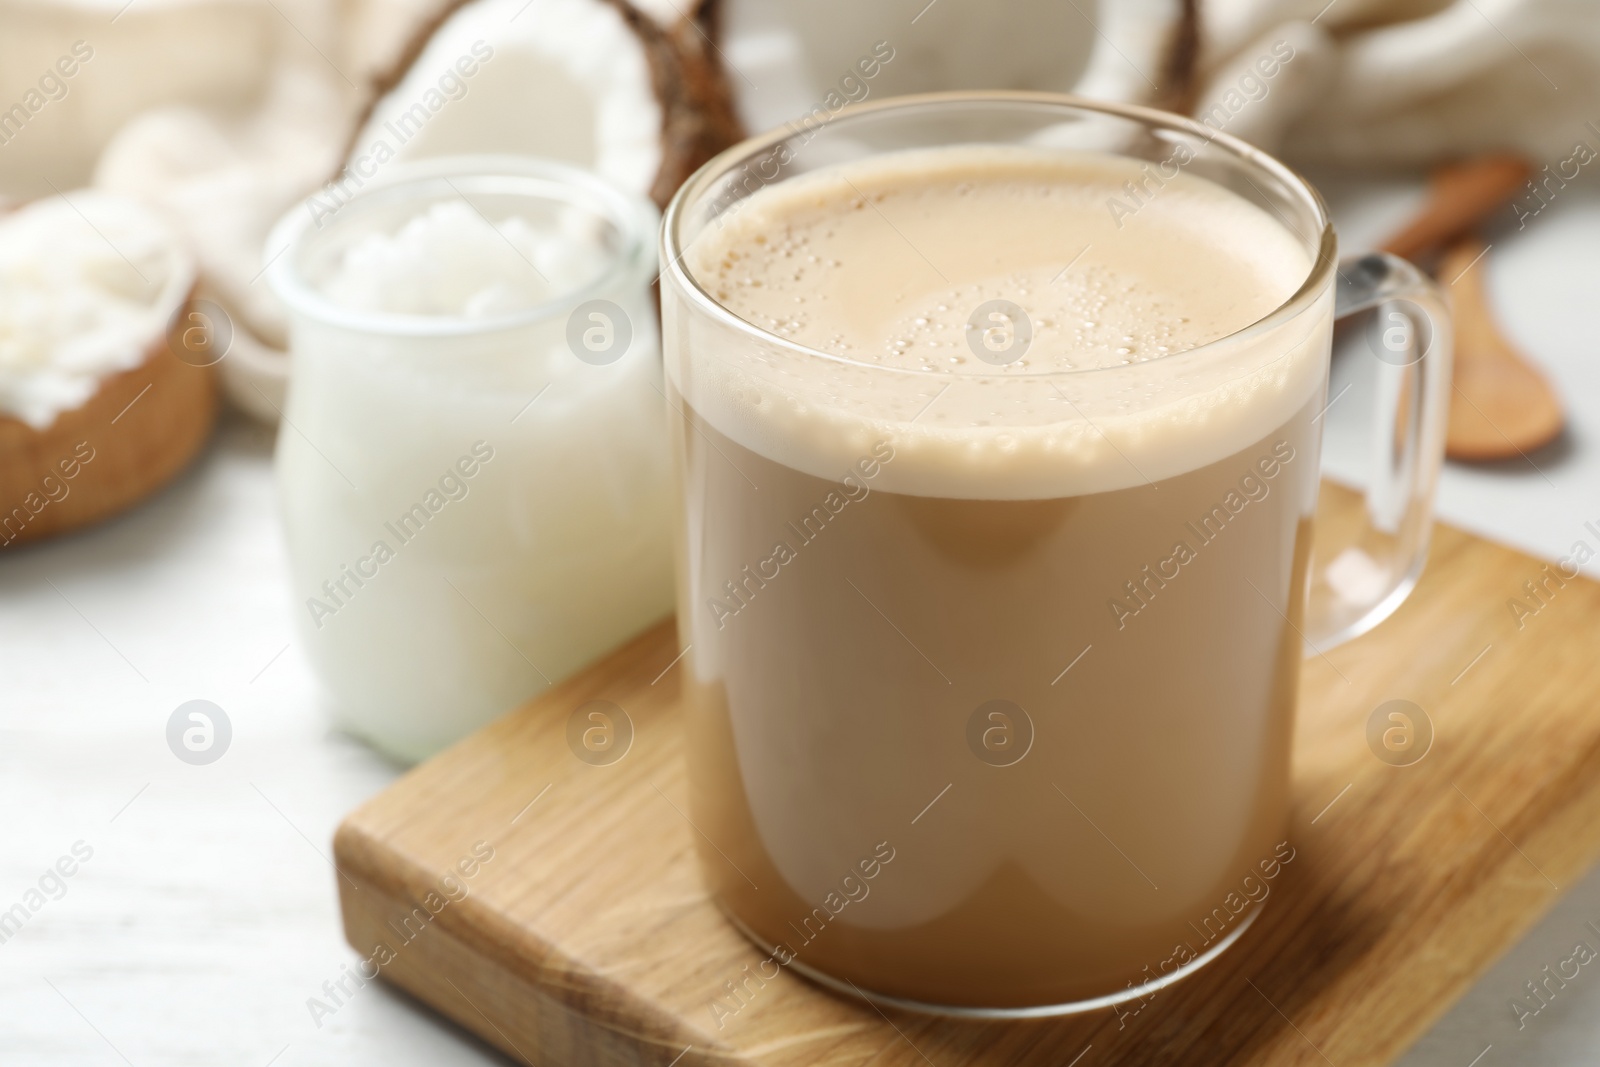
{"x":687,"y":76}
{"x":697,"y":113}
{"x":141,"y":427}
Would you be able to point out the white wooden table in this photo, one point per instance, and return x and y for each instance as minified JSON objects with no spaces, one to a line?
{"x":206,"y":916}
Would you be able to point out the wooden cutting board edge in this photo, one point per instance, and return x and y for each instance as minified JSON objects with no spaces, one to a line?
{"x":595,"y":1008}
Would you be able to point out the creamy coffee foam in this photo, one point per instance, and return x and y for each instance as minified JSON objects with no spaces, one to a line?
{"x":882,"y":266}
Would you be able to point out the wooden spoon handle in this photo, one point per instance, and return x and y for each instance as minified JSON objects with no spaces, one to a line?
{"x":1460,"y":195}
{"x":1501,"y":407}
{"x":1461,"y":270}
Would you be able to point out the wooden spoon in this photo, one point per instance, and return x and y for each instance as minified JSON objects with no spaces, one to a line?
{"x":1460,"y":196}
{"x":1501,"y":405}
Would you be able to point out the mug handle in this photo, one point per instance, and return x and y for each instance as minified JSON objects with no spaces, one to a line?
{"x":1364,"y":565}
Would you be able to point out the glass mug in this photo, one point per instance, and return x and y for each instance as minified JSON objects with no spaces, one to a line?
{"x":927,"y":763}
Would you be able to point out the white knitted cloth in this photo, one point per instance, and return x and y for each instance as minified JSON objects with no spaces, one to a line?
{"x":1380,"y":82}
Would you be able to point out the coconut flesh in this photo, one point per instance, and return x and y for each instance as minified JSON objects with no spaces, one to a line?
{"x":566,"y":79}
{"x":602,"y":85}
{"x":88,"y":284}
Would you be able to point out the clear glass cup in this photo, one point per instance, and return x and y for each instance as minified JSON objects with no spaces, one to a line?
{"x":928,"y":764}
{"x":474,"y":506}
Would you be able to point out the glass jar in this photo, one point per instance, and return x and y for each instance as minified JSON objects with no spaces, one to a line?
{"x":476,"y":504}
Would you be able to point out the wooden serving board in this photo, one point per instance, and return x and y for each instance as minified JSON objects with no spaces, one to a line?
{"x":587,"y":937}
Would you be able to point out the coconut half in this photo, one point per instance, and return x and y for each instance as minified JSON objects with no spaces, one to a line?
{"x":88,"y":281}
{"x":635,"y":95}
{"x":96,"y":406}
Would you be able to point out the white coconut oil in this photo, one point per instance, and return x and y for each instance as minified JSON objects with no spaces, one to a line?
{"x":472,"y":465}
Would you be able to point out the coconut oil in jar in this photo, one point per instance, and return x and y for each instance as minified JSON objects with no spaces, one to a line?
{"x":472,"y":465}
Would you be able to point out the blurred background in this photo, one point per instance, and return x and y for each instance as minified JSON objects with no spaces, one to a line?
{"x":170,"y":135}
